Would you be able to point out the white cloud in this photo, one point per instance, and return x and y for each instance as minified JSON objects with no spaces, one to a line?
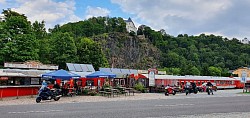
{"x":226,"y":17}
{"x":96,"y":11}
{"x":2,"y":1}
{"x":48,"y":10}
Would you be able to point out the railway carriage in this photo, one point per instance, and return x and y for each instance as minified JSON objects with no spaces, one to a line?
{"x":221,"y":82}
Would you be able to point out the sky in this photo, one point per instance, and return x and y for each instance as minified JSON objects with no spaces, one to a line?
{"x":227,"y":18}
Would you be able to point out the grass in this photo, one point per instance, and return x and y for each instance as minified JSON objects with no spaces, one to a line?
{"x":244,"y":92}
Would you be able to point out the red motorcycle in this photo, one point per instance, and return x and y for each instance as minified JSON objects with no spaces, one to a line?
{"x":169,"y":90}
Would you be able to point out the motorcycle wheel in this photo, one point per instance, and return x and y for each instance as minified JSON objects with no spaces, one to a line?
{"x":38,"y":99}
{"x":56,"y":98}
{"x":174,"y":92}
{"x":195,"y":91}
{"x":166,"y":94}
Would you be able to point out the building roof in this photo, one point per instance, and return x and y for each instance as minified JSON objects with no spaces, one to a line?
{"x":22,"y":72}
{"x":129,"y":20}
{"x":80,"y":67}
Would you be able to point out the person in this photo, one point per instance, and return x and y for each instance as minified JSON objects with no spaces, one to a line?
{"x":76,"y":88}
{"x":187,"y":88}
{"x":194,"y":87}
{"x":209,"y":84}
{"x":44,"y":84}
{"x":45,"y":88}
{"x":56,"y":86}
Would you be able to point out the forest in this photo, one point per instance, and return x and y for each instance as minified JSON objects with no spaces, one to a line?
{"x":83,"y":42}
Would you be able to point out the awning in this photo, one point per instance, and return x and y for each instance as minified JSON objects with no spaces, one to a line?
{"x":60,"y":74}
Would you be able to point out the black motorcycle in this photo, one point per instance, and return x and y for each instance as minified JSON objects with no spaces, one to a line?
{"x":47,"y":94}
{"x":191,"y":89}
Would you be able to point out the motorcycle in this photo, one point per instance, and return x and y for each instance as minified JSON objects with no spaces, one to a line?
{"x":47,"y":94}
{"x":191,"y":89}
{"x":169,"y":90}
{"x":209,"y":90}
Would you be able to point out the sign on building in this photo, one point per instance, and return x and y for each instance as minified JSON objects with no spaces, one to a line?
{"x":243,"y":76}
{"x":151,"y":76}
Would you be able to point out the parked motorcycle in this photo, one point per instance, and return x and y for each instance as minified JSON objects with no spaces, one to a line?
{"x":169,"y":90}
{"x":191,"y":89}
{"x":47,"y":94}
{"x":209,"y":90}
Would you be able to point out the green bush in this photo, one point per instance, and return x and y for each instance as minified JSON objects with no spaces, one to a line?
{"x":85,"y":92}
{"x":92,"y":93}
{"x":139,"y":87}
{"x":106,"y":86}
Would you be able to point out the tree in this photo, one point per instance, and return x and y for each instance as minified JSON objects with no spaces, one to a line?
{"x":214,"y":71}
{"x":39,"y":30}
{"x":17,"y":40}
{"x":194,"y":71}
{"x":63,"y":49}
{"x":90,"y":52}
{"x":45,"y":49}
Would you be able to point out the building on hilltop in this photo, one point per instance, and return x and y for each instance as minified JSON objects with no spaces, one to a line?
{"x":130,"y":26}
{"x":245,"y":41}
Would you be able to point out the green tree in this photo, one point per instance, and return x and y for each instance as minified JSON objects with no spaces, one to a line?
{"x":194,"y":71}
{"x":214,"y":71}
{"x":39,"y":30}
{"x":63,"y":49}
{"x":90,"y":52}
{"x":17,"y":40}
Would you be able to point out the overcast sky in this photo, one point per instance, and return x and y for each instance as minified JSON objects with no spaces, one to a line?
{"x":228,"y":18}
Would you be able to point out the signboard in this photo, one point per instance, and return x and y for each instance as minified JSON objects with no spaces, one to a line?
{"x":3,"y":78}
{"x":143,"y":71}
{"x":243,"y":76}
{"x":151,"y":76}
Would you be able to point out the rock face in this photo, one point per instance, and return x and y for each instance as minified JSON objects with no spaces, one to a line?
{"x":124,"y":51}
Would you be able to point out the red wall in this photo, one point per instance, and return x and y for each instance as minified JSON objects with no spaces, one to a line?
{"x":18,"y":91}
{"x":94,"y":79}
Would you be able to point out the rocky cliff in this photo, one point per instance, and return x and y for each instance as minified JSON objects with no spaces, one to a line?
{"x":125,"y":51}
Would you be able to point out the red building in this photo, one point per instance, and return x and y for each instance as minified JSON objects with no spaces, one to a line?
{"x":21,"y":79}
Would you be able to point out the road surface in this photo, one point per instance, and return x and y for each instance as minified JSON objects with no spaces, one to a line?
{"x":192,"y":106}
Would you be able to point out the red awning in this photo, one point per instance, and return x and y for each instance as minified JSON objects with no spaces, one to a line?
{"x":137,"y":76}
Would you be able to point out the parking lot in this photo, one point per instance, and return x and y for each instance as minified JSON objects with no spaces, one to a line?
{"x":137,"y":96}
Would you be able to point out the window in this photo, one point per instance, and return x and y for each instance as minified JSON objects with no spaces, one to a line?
{"x":10,"y":81}
{"x":3,"y":82}
{"x":34,"y":81}
{"x":89,"y":83}
{"x":122,"y":82}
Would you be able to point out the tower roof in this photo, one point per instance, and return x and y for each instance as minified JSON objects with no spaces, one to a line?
{"x":129,"y":20}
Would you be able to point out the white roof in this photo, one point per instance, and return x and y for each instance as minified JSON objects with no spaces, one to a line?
{"x":7,"y":74}
{"x":190,"y":77}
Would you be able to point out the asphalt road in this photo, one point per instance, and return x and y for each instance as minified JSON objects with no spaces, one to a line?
{"x":184,"y":106}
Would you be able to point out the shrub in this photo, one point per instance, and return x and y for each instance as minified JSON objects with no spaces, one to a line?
{"x":93,"y":93}
{"x":139,"y":87}
{"x":85,"y":92}
{"x":106,"y":86}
